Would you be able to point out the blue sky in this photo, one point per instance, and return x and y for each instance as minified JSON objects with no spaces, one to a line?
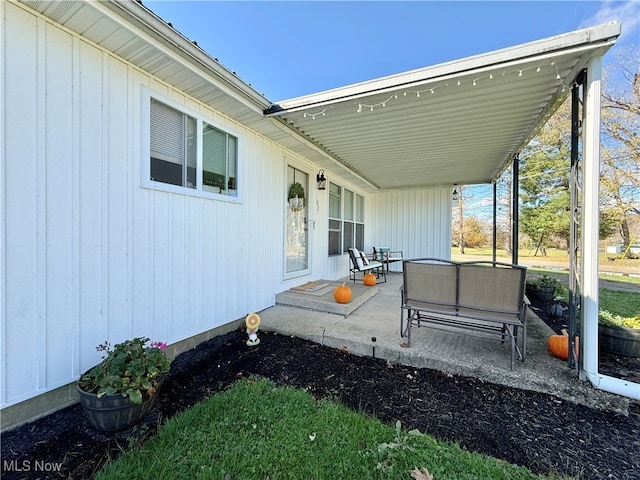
{"x":295,"y":48}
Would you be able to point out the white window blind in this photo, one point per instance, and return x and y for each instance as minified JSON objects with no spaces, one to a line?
{"x":167,"y":133}
{"x":214,"y":158}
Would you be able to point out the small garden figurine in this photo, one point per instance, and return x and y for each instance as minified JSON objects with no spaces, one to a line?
{"x":253,"y":323}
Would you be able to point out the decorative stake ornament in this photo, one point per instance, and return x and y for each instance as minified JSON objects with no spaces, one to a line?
{"x":253,"y":323}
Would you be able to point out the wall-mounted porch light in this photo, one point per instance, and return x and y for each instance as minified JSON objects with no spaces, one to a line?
{"x":322,"y":180}
{"x":455,"y":192}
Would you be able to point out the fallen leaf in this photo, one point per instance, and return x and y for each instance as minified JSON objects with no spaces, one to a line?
{"x":422,"y":474}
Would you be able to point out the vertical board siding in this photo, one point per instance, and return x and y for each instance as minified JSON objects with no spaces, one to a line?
{"x":90,"y":255}
{"x":416,"y":221}
{"x":92,"y":327}
{"x":21,"y":315}
{"x":116,"y":207}
{"x":59,"y":211}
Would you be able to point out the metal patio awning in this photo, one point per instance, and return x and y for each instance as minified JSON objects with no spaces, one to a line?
{"x":458,"y":122}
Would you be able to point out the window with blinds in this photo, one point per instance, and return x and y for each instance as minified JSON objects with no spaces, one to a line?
{"x":181,"y":145}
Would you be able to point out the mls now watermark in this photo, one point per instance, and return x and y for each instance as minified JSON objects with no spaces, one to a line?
{"x":30,"y":466}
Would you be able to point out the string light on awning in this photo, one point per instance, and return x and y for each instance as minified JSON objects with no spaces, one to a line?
{"x":519,"y":72}
{"x":314,"y":115}
{"x":379,"y":104}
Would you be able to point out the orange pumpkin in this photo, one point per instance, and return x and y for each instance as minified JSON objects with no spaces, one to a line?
{"x":342,"y":293}
{"x":559,"y":345}
{"x":369,"y":279}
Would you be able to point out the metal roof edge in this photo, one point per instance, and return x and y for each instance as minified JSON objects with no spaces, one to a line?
{"x":144,"y":18}
{"x":587,"y":36}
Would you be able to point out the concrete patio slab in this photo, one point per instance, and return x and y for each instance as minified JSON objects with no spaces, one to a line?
{"x":373,"y":329}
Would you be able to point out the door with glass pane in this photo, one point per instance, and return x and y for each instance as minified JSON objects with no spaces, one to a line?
{"x":296,"y":223}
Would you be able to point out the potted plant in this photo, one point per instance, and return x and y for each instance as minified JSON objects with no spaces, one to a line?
{"x":544,"y":289}
{"x":618,"y":334}
{"x":123,"y":387}
{"x":296,"y":196}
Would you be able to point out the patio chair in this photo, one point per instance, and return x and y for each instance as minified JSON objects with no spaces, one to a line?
{"x":385,"y":256}
{"x":360,"y":263}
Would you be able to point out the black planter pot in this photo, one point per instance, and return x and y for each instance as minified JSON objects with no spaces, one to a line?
{"x":113,"y":412}
{"x":620,"y":340}
{"x":540,"y":293}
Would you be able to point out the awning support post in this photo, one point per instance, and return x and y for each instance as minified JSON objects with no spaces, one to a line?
{"x":495,"y":220}
{"x":589,"y":240}
{"x":515,"y":217}
{"x":574,"y":227}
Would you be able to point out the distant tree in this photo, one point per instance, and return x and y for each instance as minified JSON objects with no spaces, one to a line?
{"x":475,"y":234}
{"x":458,"y":223}
{"x":545,"y":163}
{"x":505,"y":204}
{"x":620,"y":173}
{"x":544,"y":181}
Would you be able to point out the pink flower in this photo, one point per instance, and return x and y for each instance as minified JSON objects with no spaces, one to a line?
{"x":158,"y":345}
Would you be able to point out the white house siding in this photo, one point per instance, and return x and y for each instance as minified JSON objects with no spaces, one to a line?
{"x":90,"y":255}
{"x":416,"y":221}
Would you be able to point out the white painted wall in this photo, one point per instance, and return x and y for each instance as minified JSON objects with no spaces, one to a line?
{"x":416,"y":222}
{"x":89,"y":254}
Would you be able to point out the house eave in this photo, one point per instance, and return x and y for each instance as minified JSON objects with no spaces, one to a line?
{"x":147,"y":21}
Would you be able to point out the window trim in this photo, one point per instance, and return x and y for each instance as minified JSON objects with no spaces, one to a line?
{"x":354,"y":221}
{"x":145,"y":157}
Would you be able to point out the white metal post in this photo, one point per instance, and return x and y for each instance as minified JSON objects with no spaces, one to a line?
{"x":590,"y":237}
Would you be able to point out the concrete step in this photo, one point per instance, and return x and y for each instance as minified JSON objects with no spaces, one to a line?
{"x":322,"y":300}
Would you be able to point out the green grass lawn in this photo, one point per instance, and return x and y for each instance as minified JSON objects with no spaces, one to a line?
{"x":553,"y":254}
{"x":625,"y":304}
{"x":256,"y":430}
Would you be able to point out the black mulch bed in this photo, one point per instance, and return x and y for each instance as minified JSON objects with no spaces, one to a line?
{"x":543,"y":432}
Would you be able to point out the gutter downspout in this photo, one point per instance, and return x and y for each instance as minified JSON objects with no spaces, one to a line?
{"x":590,"y":238}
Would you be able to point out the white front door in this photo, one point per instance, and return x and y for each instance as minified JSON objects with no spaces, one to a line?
{"x":296,"y":247}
